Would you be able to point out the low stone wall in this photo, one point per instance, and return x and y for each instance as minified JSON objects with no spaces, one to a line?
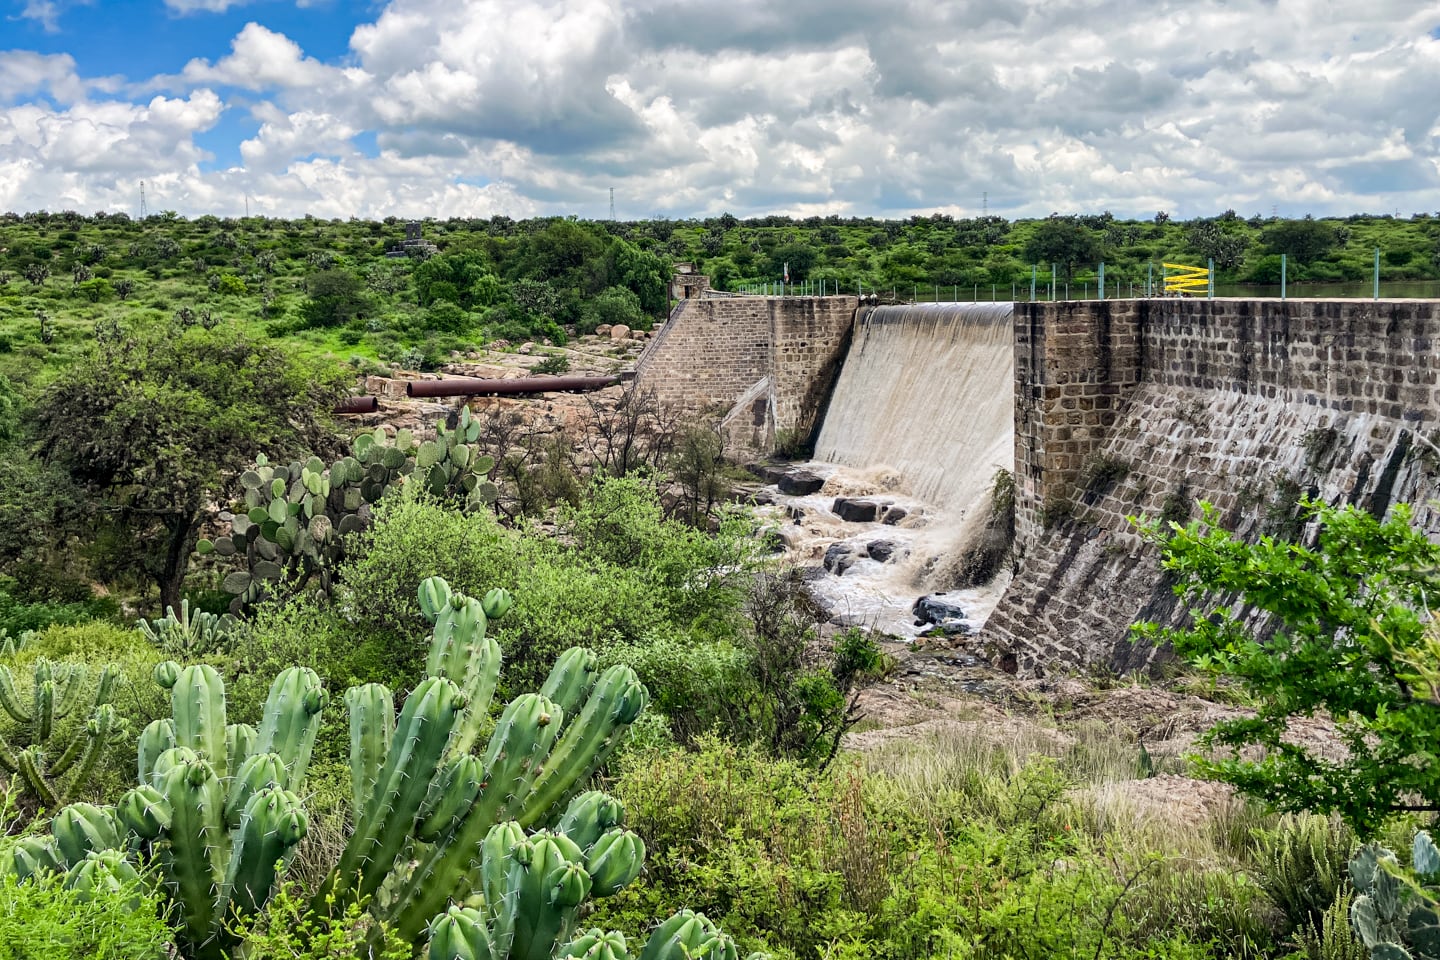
{"x":1132,"y":408}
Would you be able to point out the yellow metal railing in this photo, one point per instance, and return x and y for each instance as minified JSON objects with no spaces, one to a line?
{"x":1188,"y":280}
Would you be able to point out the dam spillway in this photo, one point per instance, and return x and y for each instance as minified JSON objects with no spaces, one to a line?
{"x":927,"y":390}
{"x":1120,"y":409}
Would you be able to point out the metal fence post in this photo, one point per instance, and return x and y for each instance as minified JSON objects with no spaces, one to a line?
{"x":1212,"y":278}
{"x":1283,"y":265}
{"x":1034,"y":271}
{"x":1102,"y":280}
{"x":1377,"y":273}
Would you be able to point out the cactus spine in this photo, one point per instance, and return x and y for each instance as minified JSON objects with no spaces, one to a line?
{"x":49,"y":772}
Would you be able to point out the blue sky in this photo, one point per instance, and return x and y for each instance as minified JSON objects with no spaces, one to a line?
{"x":690,"y":108}
{"x":141,"y":38}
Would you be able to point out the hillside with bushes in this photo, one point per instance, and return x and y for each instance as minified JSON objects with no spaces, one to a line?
{"x":273,"y":687}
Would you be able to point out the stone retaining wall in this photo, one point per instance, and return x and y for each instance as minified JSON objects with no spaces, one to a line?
{"x":712,"y":352}
{"x":1130,"y":408}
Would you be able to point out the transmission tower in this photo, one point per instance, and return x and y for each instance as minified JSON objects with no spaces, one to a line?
{"x":143,"y":212}
{"x":612,"y":203}
{"x":985,"y":204}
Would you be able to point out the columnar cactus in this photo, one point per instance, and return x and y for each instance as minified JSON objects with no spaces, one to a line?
{"x":217,"y":803}
{"x":44,"y":768}
{"x":188,"y":635}
{"x":295,"y":517}
{"x":11,"y":645}
{"x":534,"y":886}
{"x":212,"y":805}
{"x":1395,"y":915}
{"x":431,"y":801}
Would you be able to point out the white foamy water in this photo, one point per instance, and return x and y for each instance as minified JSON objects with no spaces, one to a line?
{"x":870,"y":593}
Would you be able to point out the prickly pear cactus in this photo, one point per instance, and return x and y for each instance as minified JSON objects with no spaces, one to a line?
{"x":294,"y":519}
{"x":46,"y":767}
{"x":188,"y":635}
{"x":1395,"y":913}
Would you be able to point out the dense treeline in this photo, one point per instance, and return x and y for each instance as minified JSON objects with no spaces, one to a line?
{"x":349,"y":288}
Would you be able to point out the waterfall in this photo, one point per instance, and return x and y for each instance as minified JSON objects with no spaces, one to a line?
{"x":928,"y":391}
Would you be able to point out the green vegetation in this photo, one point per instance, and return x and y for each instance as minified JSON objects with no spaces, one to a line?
{"x":328,"y":768}
{"x":1347,"y":634}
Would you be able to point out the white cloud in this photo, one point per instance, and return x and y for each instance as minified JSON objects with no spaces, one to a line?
{"x":259,"y":59}
{"x":202,"y":6}
{"x":850,"y":106}
{"x":23,"y":73}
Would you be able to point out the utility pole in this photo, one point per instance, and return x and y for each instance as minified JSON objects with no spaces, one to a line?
{"x":985,"y":204}
{"x":143,"y":212}
{"x":612,"y":203}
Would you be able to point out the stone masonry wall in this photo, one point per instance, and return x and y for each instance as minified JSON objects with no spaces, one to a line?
{"x":712,"y":352}
{"x":1144,"y":407}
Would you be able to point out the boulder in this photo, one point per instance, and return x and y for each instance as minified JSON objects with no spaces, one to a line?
{"x":839,"y":557}
{"x":854,"y":510}
{"x":800,"y":483}
{"x":881,"y":551}
{"x":936,"y":609}
{"x":795,"y":513}
{"x":769,"y":472}
{"x":893,"y":515}
{"x":619,"y":332}
{"x":603,"y":330}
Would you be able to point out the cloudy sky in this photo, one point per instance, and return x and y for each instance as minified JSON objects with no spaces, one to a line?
{"x":696,"y":107}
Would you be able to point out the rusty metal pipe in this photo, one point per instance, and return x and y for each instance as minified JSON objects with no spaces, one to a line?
{"x":357,"y":405}
{"x":482,"y":387}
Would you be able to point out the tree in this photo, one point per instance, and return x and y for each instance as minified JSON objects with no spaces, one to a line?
{"x":1063,"y":241}
{"x":1211,"y":240}
{"x":152,"y":425}
{"x":336,"y":298}
{"x":1344,"y":630}
{"x":1305,"y":240}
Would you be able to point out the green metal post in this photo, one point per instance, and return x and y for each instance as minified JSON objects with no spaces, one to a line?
{"x":1377,"y":273}
{"x":1211,"y":278}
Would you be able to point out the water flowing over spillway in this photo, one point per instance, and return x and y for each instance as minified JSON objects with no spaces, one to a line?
{"x":928,"y":390}
{"x":921,"y":418}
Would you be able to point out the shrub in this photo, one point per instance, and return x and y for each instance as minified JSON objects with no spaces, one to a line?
{"x":613,"y":305}
{"x":288,"y":930}
{"x":555,"y":363}
{"x":17,"y":616}
{"x":43,"y":920}
{"x":621,"y":573}
{"x":1345,"y":632}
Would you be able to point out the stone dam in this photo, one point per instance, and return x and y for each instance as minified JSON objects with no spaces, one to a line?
{"x":1112,"y":410}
